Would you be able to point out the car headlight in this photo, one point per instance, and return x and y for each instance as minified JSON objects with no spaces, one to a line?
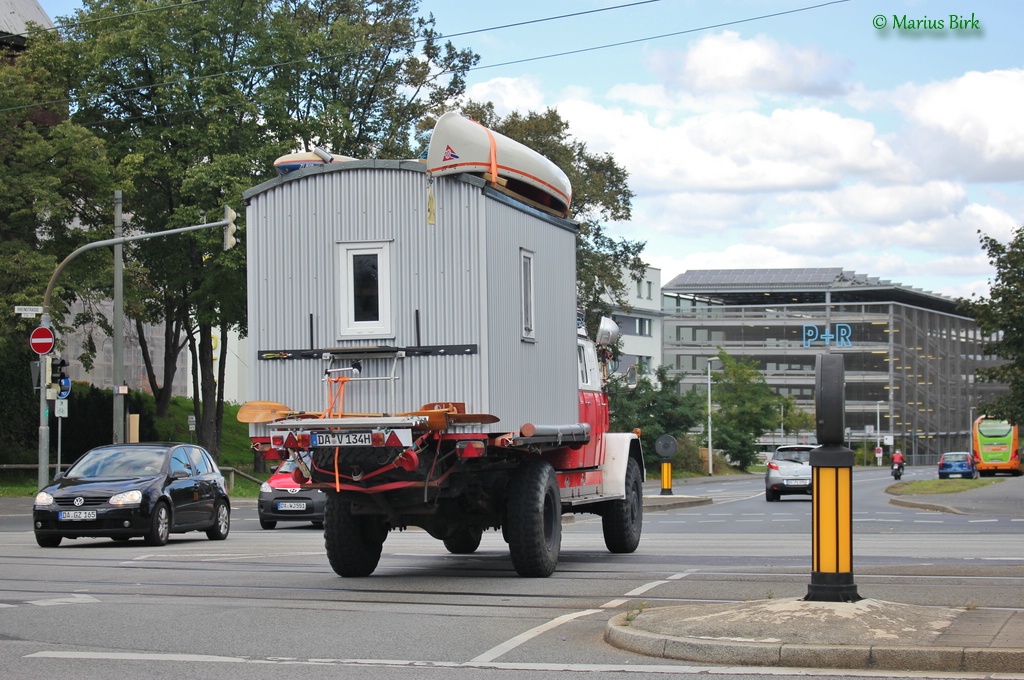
{"x":133,"y":497}
{"x":265,"y":488}
{"x":43,"y":498}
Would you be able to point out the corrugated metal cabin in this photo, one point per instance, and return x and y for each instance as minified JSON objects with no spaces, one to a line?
{"x":438,"y":287}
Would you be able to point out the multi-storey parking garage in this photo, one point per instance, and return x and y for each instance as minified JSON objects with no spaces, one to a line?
{"x":910,"y":356}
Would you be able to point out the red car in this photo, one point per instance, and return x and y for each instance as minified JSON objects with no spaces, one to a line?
{"x":282,"y":499}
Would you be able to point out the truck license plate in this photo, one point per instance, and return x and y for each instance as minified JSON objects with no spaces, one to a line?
{"x":77,"y":515}
{"x":340,"y":439}
{"x":291,"y":506}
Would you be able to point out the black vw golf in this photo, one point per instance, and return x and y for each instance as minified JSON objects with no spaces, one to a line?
{"x":126,"y":490}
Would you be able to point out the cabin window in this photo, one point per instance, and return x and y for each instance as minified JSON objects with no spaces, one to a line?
{"x":365,"y":290}
{"x":529,"y":330}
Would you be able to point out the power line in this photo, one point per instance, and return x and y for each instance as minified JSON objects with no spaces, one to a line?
{"x":463,"y":33}
{"x":73,"y":24}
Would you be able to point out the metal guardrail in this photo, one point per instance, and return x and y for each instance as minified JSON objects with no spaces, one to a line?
{"x":229,"y":472}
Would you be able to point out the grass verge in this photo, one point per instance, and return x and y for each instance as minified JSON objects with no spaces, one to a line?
{"x":938,"y":486}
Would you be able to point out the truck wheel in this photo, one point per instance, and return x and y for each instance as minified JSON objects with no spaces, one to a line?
{"x":353,"y":542}
{"x":534,"y":519}
{"x":464,"y":541}
{"x":623,"y":520}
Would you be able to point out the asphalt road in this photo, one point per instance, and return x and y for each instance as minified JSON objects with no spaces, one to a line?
{"x":266,"y":603}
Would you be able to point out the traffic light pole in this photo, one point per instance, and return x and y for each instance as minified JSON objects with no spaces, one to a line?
{"x":44,"y":425}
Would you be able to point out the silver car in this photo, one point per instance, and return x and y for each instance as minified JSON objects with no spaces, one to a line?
{"x":789,"y":471}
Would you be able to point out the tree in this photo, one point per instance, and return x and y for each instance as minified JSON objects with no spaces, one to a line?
{"x":656,"y":407}
{"x":747,"y":407}
{"x":53,"y":173}
{"x":600,"y":193}
{"x":196,"y":100}
{"x":999,"y":319}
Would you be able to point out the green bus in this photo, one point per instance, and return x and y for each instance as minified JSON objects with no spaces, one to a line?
{"x":996,"y":447}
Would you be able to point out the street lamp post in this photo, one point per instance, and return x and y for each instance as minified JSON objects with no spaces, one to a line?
{"x":710,"y":449}
{"x":878,"y":425}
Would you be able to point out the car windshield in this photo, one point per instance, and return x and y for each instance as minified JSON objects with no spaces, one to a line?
{"x":793,"y":455}
{"x":955,"y":458}
{"x":286,"y":465}
{"x":118,"y":462}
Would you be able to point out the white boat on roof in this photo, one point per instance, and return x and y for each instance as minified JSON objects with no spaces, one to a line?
{"x":460,"y":144}
{"x":306,"y":159}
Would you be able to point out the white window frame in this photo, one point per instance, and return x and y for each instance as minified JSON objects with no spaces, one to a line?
{"x":527,"y":308}
{"x":382,"y":327}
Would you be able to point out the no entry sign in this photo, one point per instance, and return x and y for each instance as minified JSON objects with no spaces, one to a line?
{"x":41,"y":340}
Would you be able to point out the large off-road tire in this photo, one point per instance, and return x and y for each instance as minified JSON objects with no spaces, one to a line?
{"x":534,"y":519}
{"x":354,"y":542}
{"x":623,"y":520}
{"x":464,"y":541}
{"x":160,"y":525}
{"x":221,"y":523}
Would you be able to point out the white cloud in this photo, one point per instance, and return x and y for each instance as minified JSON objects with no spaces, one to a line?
{"x":508,"y":95}
{"x":969,"y":126}
{"x":727,"y":62}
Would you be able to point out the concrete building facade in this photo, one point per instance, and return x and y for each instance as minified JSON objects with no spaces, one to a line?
{"x":910,"y":357}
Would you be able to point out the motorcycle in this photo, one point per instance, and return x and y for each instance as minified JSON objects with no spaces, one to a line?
{"x":897,"y":471}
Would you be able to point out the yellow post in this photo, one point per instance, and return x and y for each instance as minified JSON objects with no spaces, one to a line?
{"x":666,"y":479}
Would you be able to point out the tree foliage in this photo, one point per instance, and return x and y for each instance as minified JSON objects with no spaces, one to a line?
{"x":1000,"y":318}
{"x":747,"y":408}
{"x":194,"y":102}
{"x":655,"y":407}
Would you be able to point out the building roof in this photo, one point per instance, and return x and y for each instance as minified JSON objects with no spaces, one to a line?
{"x":785,"y":286}
{"x":15,"y":14}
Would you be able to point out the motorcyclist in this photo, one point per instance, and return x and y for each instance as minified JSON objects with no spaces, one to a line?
{"x":898,"y":459}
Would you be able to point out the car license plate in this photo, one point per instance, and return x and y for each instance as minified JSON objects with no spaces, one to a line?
{"x":76,"y":515}
{"x":956,"y":474}
{"x":292,"y":505}
{"x":340,"y":439}
{"x":797,"y":482}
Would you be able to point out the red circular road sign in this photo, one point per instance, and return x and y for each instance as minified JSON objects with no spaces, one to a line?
{"x":41,"y":340}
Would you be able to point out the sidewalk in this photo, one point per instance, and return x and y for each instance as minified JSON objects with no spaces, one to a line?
{"x":869,"y":634}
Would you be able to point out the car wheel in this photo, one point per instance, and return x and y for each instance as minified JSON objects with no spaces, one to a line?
{"x":941,"y":476}
{"x":770,"y":495}
{"x":319,"y":524}
{"x":267,"y":524}
{"x":221,"y":523}
{"x":47,"y":541}
{"x":160,"y":525}
{"x":975,"y":475}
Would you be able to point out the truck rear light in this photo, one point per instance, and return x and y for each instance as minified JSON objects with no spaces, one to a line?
{"x":296,"y":440}
{"x":471,"y":449}
{"x":377,"y":438}
{"x":277,"y":441}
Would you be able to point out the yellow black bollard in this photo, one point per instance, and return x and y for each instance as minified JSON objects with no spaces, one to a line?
{"x":666,"y":446}
{"x":832,"y":485}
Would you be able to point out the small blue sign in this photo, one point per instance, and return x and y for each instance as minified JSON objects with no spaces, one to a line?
{"x":65,"y":388}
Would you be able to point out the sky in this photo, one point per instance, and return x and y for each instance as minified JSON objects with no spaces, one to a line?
{"x":877,"y":136}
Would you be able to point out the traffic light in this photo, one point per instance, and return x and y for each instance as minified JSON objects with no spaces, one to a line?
{"x":56,"y":369}
{"x":230,"y":228}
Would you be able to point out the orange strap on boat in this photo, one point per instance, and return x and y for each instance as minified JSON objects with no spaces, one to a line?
{"x":494,"y":153}
{"x":337,"y":396}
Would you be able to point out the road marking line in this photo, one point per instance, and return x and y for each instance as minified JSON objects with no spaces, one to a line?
{"x":509,"y":645}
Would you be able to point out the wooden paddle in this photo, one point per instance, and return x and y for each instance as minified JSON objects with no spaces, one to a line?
{"x":263,"y":412}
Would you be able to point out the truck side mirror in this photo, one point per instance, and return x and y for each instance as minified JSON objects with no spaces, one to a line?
{"x":631,"y":377}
